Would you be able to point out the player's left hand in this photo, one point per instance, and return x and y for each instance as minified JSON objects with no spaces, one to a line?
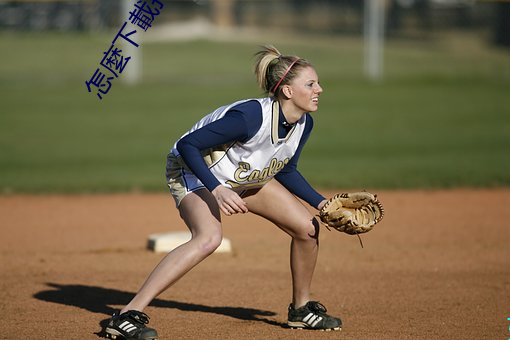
{"x":352,"y":213}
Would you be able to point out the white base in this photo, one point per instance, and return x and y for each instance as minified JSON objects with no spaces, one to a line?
{"x":166,"y":242}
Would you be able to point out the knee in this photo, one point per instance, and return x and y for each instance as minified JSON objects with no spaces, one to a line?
{"x":208,"y":243}
{"x":309,"y":231}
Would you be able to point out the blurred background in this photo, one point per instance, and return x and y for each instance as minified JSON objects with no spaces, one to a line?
{"x":416,"y":91}
{"x":405,"y":18}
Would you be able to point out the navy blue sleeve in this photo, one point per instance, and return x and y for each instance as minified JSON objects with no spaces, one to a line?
{"x":240,"y":123}
{"x":292,"y":179}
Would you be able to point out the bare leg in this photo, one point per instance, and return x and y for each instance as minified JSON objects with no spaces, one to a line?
{"x":278,"y":205}
{"x":200,"y":212}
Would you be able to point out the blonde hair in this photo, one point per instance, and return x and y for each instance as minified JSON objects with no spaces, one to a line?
{"x":273,"y":69}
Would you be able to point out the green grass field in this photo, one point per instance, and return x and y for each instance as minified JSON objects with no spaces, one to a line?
{"x":440,"y":118}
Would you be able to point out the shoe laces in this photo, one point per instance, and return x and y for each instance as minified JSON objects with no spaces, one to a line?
{"x":317,"y":307}
{"x":138,"y":316}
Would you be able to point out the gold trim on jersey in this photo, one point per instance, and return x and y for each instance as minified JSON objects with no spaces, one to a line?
{"x":244,"y":177}
{"x":213,"y":155}
{"x":275,"y":115}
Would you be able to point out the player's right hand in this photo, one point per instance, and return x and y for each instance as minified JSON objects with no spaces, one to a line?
{"x":229,"y":201}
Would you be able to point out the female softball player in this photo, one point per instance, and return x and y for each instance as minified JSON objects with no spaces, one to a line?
{"x":243,"y":158}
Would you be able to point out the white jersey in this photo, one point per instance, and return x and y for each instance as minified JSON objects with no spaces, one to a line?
{"x":253,"y":163}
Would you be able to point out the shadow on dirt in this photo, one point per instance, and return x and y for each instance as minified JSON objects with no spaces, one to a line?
{"x":99,"y":300}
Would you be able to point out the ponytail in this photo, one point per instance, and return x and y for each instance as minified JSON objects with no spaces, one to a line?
{"x":272,"y":69}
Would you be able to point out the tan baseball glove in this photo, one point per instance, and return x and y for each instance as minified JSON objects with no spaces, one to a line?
{"x":352,"y":213}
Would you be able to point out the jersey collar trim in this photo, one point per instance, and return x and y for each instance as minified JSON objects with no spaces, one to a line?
{"x":275,"y":116}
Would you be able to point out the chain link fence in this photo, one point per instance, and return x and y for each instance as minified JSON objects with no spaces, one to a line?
{"x":404,"y":18}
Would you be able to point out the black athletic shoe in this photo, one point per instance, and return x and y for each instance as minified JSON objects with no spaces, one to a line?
{"x":130,"y":326}
{"x":313,"y":316}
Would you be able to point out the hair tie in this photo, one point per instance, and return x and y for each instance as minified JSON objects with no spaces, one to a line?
{"x":283,"y":77}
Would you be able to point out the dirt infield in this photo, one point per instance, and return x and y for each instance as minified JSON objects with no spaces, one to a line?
{"x":437,"y":267}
